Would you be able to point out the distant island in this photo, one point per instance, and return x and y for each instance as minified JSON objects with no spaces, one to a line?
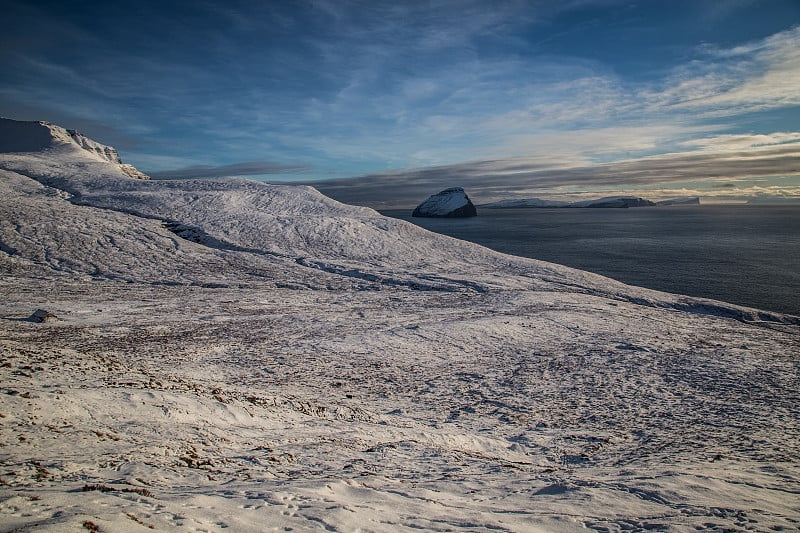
{"x":622,"y":202}
{"x":449,"y":203}
{"x":683,"y":200}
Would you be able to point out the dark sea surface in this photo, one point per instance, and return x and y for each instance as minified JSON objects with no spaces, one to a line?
{"x":748,"y":255}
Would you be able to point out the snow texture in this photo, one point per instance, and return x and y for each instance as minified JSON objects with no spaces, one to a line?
{"x":450,"y":203}
{"x":232,"y":355}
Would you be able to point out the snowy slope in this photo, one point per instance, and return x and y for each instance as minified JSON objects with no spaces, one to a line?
{"x":232,"y":355}
{"x":268,"y":224}
{"x":290,"y":226}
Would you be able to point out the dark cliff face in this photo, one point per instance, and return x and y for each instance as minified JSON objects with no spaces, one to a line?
{"x":464,"y":211}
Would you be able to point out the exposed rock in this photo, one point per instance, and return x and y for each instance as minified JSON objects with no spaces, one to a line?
{"x":24,"y":136}
{"x":133,"y":172}
{"x":450,"y":203}
{"x":106,"y":152}
{"x":40,"y":315}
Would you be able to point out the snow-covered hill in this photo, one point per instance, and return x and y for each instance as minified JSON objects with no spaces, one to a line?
{"x":265,"y":225}
{"x":242,"y":356}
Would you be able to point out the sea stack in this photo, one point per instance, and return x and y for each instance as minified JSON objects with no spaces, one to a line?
{"x":450,"y":203}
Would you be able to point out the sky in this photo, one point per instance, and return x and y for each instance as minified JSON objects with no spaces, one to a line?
{"x":384,"y":103}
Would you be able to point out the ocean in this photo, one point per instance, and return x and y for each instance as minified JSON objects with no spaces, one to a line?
{"x":747,"y":255}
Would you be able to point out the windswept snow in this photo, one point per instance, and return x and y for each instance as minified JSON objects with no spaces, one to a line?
{"x":235,"y":355}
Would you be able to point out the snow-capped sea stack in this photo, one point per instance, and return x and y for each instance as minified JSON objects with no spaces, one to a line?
{"x":450,"y":203}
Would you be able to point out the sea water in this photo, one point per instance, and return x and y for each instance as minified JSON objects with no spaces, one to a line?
{"x":748,"y":255}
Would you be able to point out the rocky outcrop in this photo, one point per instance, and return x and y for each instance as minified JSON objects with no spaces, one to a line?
{"x":23,"y":136}
{"x":450,"y":203}
{"x":133,"y":172}
{"x":40,"y":315}
{"x":106,"y":152}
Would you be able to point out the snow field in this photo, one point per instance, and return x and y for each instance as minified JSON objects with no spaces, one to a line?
{"x":237,"y":356}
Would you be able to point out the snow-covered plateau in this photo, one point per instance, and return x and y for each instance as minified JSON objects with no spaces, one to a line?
{"x":232,"y":355}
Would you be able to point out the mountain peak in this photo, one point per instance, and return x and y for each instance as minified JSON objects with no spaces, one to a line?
{"x":38,"y":136}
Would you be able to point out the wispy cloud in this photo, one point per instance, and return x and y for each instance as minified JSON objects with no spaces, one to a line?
{"x":506,"y":178}
{"x":356,"y":88}
{"x":751,"y":77}
{"x":591,"y":129}
{"x":732,"y":142}
{"x":576,"y":110}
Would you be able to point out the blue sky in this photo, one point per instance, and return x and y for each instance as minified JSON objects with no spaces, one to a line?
{"x":383,"y":102}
